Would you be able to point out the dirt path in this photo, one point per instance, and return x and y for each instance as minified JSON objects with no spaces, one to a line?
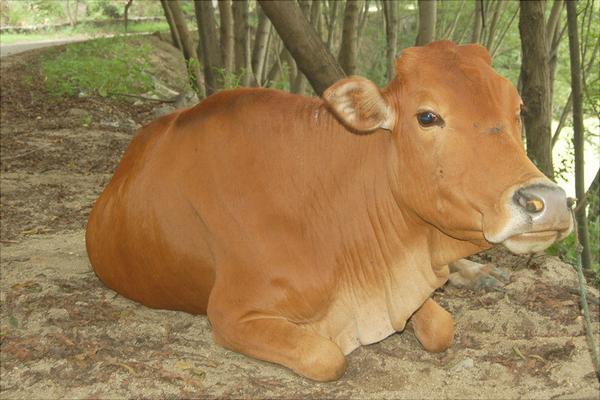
{"x":64,"y":335}
{"x":16,"y":48}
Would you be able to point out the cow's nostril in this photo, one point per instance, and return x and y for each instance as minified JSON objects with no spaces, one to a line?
{"x":531,"y":203}
{"x":534,"y":205}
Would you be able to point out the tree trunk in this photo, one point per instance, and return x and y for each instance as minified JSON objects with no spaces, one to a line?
{"x":362,"y":22}
{"x":348,"y":48}
{"x":390,"y":10}
{"x":452,"y":26}
{"x":536,"y":85}
{"x":499,"y":5}
{"x":315,"y":14}
{"x":69,"y":13}
{"x":578,"y":140}
{"x":227,"y":40}
{"x":593,"y":198}
{"x":243,"y":68}
{"x":172,"y":27}
{"x":125,"y":13}
{"x":553,"y":19}
{"x":563,"y":118}
{"x":275,"y":70}
{"x":503,"y":34}
{"x":553,"y":39}
{"x":477,"y":22}
{"x":263,"y":31}
{"x":189,"y":53}
{"x":76,"y":12}
{"x":297,"y":79}
{"x":208,"y":46}
{"x":427,"y":17}
{"x":331,"y":25}
{"x":303,"y":43}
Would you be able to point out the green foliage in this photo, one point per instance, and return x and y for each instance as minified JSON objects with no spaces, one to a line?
{"x":231,"y":79}
{"x":31,"y":12}
{"x":101,"y":67}
{"x":566,"y":249}
{"x":106,"y":9}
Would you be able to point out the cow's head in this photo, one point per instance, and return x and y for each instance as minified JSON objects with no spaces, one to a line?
{"x":459,"y":162}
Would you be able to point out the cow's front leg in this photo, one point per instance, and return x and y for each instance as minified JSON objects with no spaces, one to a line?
{"x":469,"y":274}
{"x":433,"y":327}
{"x":280,"y":341}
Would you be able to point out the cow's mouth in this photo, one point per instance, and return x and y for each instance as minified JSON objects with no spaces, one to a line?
{"x":531,"y":242}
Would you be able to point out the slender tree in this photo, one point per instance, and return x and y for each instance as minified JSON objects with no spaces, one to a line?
{"x":478,"y":22}
{"x":187,"y":47}
{"x":553,"y":38}
{"x":427,"y":19}
{"x":331,"y":23}
{"x":174,"y":34}
{"x":491,"y":33}
{"x":303,"y":43}
{"x":535,"y":82}
{"x":593,"y":196}
{"x":208,"y":46}
{"x":241,"y":32}
{"x":126,"y":13}
{"x":390,"y":10}
{"x":449,"y":30}
{"x":348,"y":48}
{"x":263,"y":31}
{"x":578,"y":140}
{"x":227,"y":41}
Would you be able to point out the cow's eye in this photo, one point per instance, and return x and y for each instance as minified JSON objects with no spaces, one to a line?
{"x":428,"y":118}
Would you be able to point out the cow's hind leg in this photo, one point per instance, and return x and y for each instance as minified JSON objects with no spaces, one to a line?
{"x":280,"y":341}
{"x":433,"y":326}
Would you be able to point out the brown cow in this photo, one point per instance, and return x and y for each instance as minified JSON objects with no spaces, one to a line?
{"x":306,"y":227}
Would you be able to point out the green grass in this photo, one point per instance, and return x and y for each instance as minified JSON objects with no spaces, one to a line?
{"x":98,"y":67}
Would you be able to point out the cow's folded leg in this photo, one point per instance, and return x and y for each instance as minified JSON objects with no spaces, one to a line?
{"x":469,"y":274}
{"x":280,"y":341}
{"x":433,"y":327}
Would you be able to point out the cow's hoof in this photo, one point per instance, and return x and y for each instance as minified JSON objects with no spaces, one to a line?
{"x":433,"y":327}
{"x":472,"y":275}
{"x":320,"y":360}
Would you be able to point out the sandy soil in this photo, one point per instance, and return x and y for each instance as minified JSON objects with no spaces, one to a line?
{"x":64,"y":335}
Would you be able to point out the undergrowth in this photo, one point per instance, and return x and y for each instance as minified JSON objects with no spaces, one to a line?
{"x":101,"y":67}
{"x":566,"y":249}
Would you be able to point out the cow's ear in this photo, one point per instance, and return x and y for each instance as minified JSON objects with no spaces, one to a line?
{"x":359,"y":105}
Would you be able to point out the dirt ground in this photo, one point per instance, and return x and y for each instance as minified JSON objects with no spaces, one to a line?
{"x":64,"y":335}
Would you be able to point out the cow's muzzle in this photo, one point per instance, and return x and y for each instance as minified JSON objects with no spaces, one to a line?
{"x":540,"y":216}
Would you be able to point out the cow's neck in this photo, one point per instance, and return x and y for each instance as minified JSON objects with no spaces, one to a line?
{"x":407,"y":237}
{"x":401,"y":236}
{"x":389,"y":261}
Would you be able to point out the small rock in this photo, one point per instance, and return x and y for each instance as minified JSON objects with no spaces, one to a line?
{"x":57,"y":314}
{"x":163,"y":109}
{"x":186,"y":99}
{"x":78,"y":113}
{"x":162,"y":91}
{"x":467,"y":363}
{"x":130,"y":124}
{"x":109,"y":124}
